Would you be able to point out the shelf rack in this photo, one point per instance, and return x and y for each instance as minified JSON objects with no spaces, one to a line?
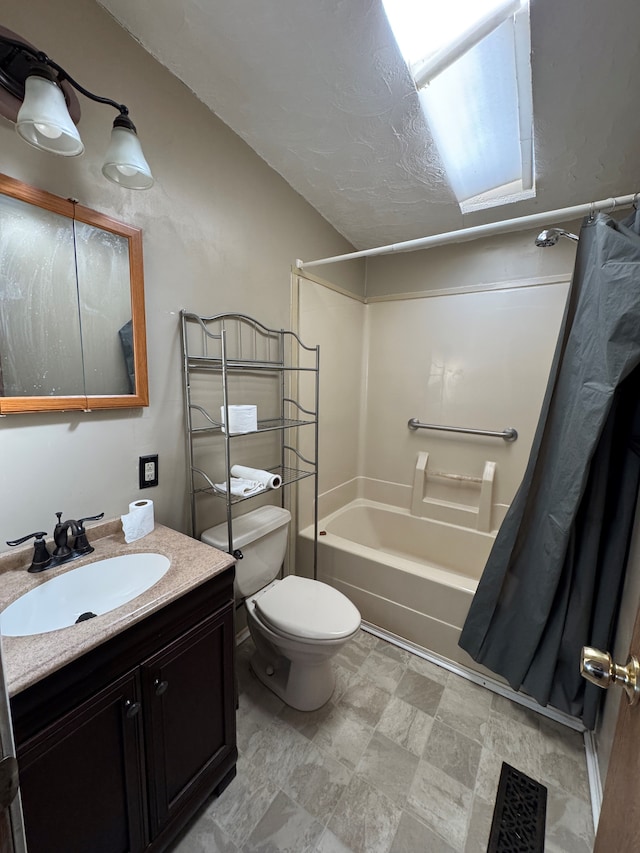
{"x":223,"y":347}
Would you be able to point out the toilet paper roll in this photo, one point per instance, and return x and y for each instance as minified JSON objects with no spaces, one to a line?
{"x":241,"y":419}
{"x":269,"y":480}
{"x":138,"y":522}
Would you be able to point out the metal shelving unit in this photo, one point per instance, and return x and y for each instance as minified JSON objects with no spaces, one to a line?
{"x":217,"y":352}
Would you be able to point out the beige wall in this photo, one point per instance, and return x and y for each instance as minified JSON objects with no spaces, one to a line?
{"x":336,"y":322}
{"x":471,"y":360}
{"x":221,"y":231}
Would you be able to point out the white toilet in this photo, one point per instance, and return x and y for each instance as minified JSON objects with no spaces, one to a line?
{"x":297,"y":624}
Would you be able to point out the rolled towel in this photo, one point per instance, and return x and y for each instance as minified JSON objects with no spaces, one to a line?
{"x":241,"y":488}
{"x":268,"y":480}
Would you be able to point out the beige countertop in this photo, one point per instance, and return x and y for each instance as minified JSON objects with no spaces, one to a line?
{"x":26,"y":660}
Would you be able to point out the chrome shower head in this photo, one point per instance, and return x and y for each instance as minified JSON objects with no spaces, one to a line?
{"x":550,"y":236}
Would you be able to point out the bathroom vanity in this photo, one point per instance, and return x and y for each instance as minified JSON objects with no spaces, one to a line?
{"x":125,"y":724}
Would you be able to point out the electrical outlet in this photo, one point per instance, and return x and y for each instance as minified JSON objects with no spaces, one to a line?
{"x":148,"y":471}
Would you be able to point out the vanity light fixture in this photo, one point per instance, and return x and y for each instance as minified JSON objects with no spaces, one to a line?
{"x":37,"y":95}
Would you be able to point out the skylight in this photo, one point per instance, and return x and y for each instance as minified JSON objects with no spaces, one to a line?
{"x":470,"y":60}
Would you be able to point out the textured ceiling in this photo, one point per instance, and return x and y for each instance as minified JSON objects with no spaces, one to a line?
{"x":318,"y":89}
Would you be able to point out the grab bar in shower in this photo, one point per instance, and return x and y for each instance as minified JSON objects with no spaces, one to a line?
{"x":508,"y":434}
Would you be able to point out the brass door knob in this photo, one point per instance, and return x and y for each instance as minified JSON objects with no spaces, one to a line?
{"x":599,"y":668}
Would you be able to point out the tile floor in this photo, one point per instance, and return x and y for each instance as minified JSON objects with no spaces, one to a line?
{"x":405,"y":758}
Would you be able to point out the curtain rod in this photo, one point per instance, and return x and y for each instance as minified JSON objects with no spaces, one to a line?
{"x":475,"y":232}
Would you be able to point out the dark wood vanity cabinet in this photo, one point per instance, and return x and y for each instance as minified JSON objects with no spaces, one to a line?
{"x":185,"y":717}
{"x":119,"y":749}
{"x":81,"y":778}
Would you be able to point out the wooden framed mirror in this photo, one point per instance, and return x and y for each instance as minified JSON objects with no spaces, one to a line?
{"x":72,"y":318}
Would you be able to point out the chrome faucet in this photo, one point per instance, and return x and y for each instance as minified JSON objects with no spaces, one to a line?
{"x":63,"y":552}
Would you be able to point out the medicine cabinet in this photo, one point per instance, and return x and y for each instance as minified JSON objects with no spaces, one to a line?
{"x":72,"y":321}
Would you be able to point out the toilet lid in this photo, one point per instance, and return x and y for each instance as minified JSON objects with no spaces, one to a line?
{"x":308,"y":609}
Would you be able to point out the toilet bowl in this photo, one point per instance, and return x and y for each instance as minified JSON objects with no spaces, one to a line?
{"x":297,"y":624}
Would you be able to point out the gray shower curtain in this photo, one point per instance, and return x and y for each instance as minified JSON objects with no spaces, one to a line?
{"x":554,"y":576}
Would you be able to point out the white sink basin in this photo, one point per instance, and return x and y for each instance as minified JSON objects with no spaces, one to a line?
{"x":95,"y":588}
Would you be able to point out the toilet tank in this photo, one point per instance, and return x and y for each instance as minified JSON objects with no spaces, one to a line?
{"x":261,"y":535}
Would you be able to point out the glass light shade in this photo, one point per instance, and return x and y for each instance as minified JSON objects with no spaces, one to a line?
{"x":124,"y":161}
{"x":44,"y":121}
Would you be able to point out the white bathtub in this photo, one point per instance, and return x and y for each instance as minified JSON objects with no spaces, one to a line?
{"x":412,"y":577}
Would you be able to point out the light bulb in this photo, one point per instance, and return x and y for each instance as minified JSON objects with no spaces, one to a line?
{"x":48,"y":130}
{"x":128,"y":171}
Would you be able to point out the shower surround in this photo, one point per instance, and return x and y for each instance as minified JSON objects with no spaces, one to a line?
{"x":406,"y":520}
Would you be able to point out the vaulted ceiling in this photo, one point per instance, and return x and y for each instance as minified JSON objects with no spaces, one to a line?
{"x":319,"y":90}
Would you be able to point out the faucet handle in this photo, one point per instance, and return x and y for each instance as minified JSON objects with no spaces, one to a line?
{"x":81,"y":521}
{"x":39,"y":535}
{"x":41,"y":556}
{"x":81,"y":544}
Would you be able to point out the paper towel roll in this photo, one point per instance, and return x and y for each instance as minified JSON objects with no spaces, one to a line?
{"x":241,"y":419}
{"x":269,"y":480}
{"x":138,"y":521}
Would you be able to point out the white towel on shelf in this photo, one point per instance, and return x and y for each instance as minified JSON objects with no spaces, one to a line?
{"x":241,"y":488}
{"x":267,"y":478}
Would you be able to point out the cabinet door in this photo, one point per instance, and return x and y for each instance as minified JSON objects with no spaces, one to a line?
{"x":189,"y":710}
{"x":81,"y":777}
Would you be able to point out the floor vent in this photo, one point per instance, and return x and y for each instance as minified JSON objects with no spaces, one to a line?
{"x":519,"y":814}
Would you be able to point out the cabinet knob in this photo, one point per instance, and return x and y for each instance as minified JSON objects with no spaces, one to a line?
{"x":131,"y":708}
{"x":160,"y":686}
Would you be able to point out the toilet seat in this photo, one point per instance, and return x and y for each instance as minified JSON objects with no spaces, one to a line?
{"x":307,"y":609}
